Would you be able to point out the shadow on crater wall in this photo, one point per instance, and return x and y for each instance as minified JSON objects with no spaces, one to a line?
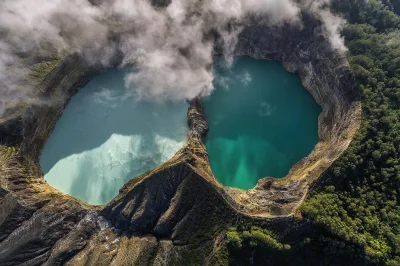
{"x":262,"y":121}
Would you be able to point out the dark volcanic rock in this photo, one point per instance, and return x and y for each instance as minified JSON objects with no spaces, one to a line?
{"x":325,"y":73}
{"x":11,"y":131}
{"x":175,"y":214}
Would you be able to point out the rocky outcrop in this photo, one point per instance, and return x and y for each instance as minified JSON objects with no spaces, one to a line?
{"x":169,"y":215}
{"x":325,"y":73}
{"x":172,"y":214}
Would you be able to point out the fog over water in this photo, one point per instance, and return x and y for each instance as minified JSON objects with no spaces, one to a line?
{"x":172,"y":46}
{"x":105,"y":138}
{"x":262,"y":121}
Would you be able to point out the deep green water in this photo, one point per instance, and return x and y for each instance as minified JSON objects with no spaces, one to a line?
{"x":262,"y":121}
{"x":104,"y":138}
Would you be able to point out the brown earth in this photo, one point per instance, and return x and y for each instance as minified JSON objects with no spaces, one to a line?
{"x":172,"y":214}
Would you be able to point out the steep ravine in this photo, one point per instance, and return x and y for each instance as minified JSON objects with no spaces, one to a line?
{"x":172,"y":214}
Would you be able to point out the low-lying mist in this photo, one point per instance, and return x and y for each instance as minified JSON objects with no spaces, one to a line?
{"x":171,"y":45}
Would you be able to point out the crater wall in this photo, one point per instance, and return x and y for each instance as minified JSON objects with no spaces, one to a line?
{"x":178,"y":210}
{"x":326,"y":74}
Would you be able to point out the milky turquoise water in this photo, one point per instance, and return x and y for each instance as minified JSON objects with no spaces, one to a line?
{"x":262,"y":121}
{"x":104,"y":138}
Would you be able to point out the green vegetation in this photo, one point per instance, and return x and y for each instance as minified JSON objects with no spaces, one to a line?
{"x":42,"y":69}
{"x":354,"y":208}
{"x":255,"y":237}
{"x":357,"y":199}
{"x":251,"y":245}
{"x":5,"y":154}
{"x":380,"y":14}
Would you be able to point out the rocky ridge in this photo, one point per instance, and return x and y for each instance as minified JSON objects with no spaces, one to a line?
{"x":174,"y":213}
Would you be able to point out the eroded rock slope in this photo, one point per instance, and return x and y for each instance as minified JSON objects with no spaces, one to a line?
{"x":175,"y":214}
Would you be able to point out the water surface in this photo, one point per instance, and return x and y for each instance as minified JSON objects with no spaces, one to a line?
{"x":262,"y":121}
{"x":104,"y":138}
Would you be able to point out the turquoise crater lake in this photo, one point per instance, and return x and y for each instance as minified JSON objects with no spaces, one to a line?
{"x":262,"y":121}
{"x":106,"y":137}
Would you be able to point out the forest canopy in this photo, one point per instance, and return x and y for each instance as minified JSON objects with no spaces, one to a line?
{"x":358,"y":198}
{"x":356,"y":202}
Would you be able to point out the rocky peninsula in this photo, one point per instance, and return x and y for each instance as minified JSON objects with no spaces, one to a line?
{"x":178,"y":213}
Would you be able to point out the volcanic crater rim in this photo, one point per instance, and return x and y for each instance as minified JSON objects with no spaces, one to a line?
{"x":298,"y":49}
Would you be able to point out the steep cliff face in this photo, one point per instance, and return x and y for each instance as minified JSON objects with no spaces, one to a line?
{"x":325,"y":73}
{"x":177,"y":213}
{"x":169,"y":215}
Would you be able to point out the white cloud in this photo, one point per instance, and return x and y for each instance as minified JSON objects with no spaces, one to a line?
{"x":171,"y":47}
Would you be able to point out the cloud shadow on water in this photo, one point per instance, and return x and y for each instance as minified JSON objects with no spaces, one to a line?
{"x":104,"y":138}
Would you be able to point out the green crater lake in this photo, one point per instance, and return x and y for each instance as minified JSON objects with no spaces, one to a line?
{"x":106,"y":137}
{"x":261,"y":119}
